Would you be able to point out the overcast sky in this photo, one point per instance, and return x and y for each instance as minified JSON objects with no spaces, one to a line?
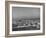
{"x":25,"y":12}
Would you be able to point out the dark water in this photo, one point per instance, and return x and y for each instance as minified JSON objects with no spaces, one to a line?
{"x":25,"y":28}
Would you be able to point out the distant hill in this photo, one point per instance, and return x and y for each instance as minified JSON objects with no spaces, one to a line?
{"x":26,"y":18}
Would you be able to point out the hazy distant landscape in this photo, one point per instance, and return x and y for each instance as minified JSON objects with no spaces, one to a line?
{"x":26,"y":24}
{"x":25,"y":18}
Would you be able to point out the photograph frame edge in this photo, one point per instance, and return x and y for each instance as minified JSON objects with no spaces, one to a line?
{"x":7,"y":20}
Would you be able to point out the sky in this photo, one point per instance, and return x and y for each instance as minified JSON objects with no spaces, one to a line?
{"x":19,"y":12}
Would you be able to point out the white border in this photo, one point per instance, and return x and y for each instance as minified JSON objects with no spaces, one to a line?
{"x":31,"y":31}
